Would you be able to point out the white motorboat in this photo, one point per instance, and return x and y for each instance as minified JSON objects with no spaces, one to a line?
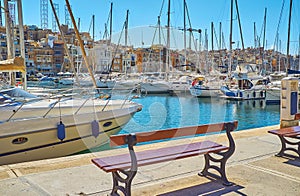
{"x":202,"y":87}
{"x":155,"y":86}
{"x":246,"y":90}
{"x":180,"y":85}
{"x":246,"y":84}
{"x":273,"y":93}
{"x":36,"y":131}
{"x":20,"y":108}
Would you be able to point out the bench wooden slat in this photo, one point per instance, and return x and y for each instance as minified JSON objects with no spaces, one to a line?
{"x":125,"y":158}
{"x":149,"y":154}
{"x":288,"y":131}
{"x":118,"y":140}
{"x":164,"y":158}
{"x":293,"y":134}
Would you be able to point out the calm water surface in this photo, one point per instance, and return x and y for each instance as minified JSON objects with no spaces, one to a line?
{"x":161,"y":112}
{"x":165,"y":111}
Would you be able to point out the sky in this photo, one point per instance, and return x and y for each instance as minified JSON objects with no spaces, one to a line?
{"x":144,"y":13}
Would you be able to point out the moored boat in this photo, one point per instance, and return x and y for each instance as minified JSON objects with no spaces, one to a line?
{"x":41,"y":138}
{"x":48,"y":128}
{"x":202,"y":87}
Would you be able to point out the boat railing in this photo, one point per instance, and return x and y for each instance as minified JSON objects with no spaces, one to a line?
{"x":52,"y":106}
{"x":23,"y":102}
{"x":82,"y":104}
{"x":62,"y":97}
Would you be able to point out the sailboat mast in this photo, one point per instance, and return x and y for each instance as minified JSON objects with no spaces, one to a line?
{"x":265,"y":21}
{"x":254,"y":29}
{"x":78,"y":24}
{"x":126,"y":27}
{"x":220,"y":43}
{"x":184,"y":31}
{"x":288,"y":41}
{"x":8,"y":31}
{"x":22,"y":44}
{"x":212,"y":37}
{"x":264,"y":41}
{"x":220,"y":36}
{"x":93,"y":19}
{"x":240,"y":26}
{"x":81,"y":44}
{"x":212,"y":45}
{"x":10,"y":53}
{"x":168,"y":40}
{"x":110,"y":23}
{"x":65,"y":45}
{"x":159,"y":28}
{"x":230,"y":36}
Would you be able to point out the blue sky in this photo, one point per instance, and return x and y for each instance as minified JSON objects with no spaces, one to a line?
{"x":202,"y":13}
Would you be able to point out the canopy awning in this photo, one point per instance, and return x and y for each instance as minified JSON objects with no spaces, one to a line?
{"x":16,"y":64}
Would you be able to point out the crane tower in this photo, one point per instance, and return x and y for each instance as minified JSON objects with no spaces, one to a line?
{"x":44,"y":13}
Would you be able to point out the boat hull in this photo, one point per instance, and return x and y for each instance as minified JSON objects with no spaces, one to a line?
{"x":35,"y":139}
{"x":273,"y":96}
{"x":155,"y":87}
{"x":247,"y":94}
{"x":204,"y":92}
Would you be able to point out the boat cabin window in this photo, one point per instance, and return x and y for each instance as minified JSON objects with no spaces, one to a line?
{"x":244,"y":84}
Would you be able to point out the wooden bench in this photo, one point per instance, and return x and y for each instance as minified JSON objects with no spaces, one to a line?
{"x":286,"y":136}
{"x":127,"y":164}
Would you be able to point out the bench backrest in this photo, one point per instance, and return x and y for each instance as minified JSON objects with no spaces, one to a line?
{"x":118,"y":140}
{"x":297,"y":116}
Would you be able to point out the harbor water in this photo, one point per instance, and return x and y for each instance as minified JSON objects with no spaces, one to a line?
{"x":162,"y":112}
{"x":167,"y":111}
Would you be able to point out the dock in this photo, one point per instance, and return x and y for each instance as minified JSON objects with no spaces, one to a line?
{"x":254,"y":169}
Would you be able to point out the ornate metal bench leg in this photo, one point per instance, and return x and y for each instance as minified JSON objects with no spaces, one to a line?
{"x":283,"y":146}
{"x":204,"y":172}
{"x":115,"y":184}
{"x":293,"y":146}
{"x":117,"y":179}
{"x":221,"y":169}
{"x":225,"y":156}
{"x":223,"y":173}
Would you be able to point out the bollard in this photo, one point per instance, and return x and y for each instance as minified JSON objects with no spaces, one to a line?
{"x":289,"y":102}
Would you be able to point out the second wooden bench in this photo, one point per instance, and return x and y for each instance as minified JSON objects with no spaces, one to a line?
{"x":128,"y":164}
{"x":286,"y":136}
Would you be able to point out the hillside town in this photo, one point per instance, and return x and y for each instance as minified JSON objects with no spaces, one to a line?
{"x":45,"y":54}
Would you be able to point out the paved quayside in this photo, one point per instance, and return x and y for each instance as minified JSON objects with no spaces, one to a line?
{"x":253,"y":168}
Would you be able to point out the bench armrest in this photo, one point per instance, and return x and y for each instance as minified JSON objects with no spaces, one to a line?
{"x":229,"y":127}
{"x":131,"y":141}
